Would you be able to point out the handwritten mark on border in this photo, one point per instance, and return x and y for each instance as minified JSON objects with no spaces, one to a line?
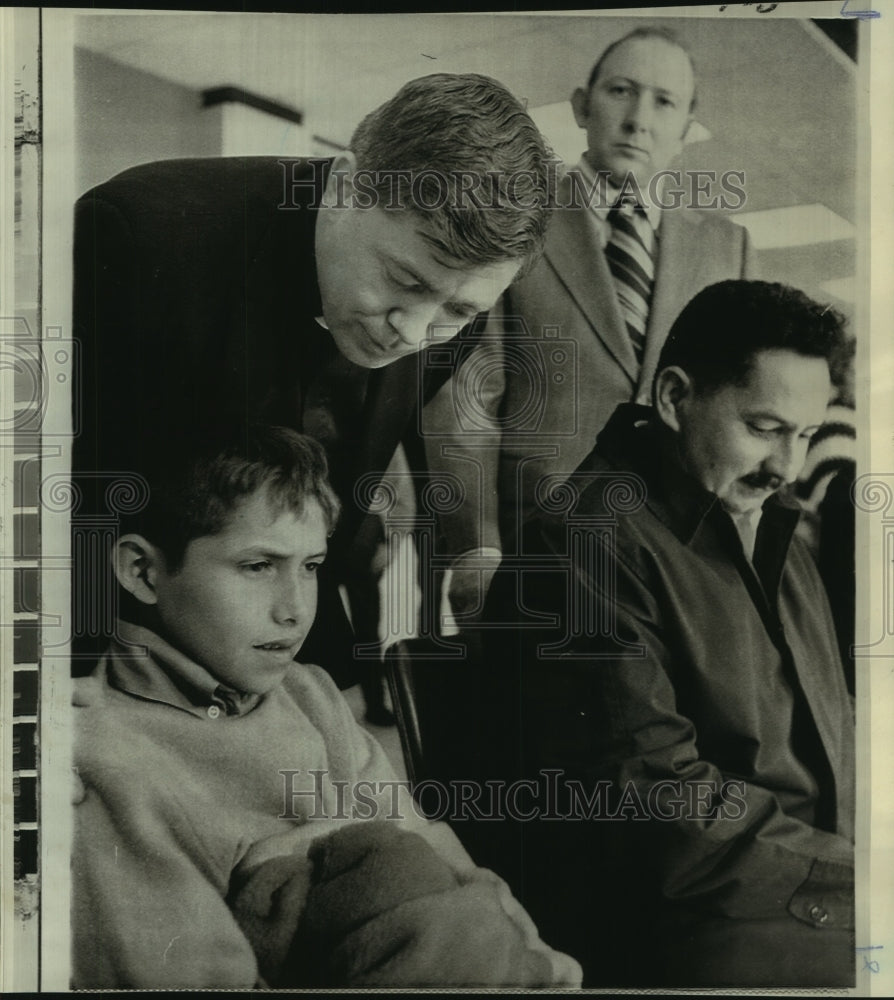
{"x":863,"y":15}
{"x":868,"y":962}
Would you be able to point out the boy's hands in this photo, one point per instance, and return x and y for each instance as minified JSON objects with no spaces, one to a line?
{"x":566,"y":971}
{"x":385,"y":909}
{"x":374,"y":905}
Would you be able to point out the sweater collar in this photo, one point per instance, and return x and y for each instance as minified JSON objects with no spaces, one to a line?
{"x":143,"y":664}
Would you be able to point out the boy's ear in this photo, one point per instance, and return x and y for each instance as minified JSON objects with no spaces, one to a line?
{"x":137,"y":564}
{"x":673,"y":387}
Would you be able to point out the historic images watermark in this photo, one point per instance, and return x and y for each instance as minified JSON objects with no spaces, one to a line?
{"x":550,"y":796}
{"x":435,"y":190}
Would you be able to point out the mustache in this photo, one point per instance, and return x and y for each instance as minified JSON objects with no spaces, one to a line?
{"x":763,"y":481}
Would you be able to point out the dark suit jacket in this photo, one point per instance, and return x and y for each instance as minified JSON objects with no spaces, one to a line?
{"x":568,"y":362}
{"x":195,"y":301}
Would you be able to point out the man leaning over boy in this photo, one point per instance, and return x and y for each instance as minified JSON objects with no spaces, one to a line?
{"x":297,"y":292}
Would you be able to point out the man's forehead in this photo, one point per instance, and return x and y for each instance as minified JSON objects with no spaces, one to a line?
{"x":446,"y":273}
{"x":775,"y":361}
{"x":658,"y":62}
{"x":485,"y":283}
{"x":784,"y":377}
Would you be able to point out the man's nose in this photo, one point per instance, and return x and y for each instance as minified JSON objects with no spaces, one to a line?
{"x":639,"y":112}
{"x":295,"y":599}
{"x":787,"y":458}
{"x":410,"y":324}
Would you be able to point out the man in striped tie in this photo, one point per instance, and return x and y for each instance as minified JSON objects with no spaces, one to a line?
{"x":623,"y":256}
{"x":636,"y":109}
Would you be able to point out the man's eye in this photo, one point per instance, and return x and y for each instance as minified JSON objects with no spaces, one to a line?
{"x":761,"y":430}
{"x":407,"y":284}
{"x":257,"y":567}
{"x":666,"y":102}
{"x":461,"y":315}
{"x":312,"y":567}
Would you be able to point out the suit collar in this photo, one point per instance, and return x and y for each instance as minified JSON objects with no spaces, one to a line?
{"x":679,"y":233}
{"x":675,"y":264}
{"x":574,"y":252}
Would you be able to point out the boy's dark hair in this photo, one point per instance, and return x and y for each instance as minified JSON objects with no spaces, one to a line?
{"x":720,"y":330}
{"x":445,"y":127}
{"x":196,"y":489}
{"x":663,"y":34}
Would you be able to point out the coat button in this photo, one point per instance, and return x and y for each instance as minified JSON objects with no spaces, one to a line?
{"x":214,"y":712}
{"x":819,"y":914}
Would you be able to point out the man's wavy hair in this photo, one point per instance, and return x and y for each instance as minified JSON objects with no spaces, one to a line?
{"x":720,"y":330}
{"x":196,"y":487}
{"x":456,"y":126}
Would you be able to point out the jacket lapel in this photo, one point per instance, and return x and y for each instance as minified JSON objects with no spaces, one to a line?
{"x":575,"y":253}
{"x":675,"y":283}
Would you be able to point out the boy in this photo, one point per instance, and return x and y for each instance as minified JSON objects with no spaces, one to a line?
{"x":204,"y":752}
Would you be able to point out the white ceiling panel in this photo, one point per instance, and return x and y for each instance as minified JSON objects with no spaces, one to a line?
{"x":775,"y":98}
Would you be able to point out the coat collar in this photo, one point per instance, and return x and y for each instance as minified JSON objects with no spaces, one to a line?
{"x":630,"y":440}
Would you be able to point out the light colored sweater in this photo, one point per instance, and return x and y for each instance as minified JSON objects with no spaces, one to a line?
{"x":176,"y":794}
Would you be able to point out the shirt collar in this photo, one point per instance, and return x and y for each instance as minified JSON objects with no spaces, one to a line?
{"x":746,"y":525}
{"x":143,"y":664}
{"x":601,"y":209}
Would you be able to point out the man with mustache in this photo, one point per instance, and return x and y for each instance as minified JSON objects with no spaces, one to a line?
{"x":676,"y":650}
{"x":605,"y":293}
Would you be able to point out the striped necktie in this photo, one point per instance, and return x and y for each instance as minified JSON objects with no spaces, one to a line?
{"x":633,"y":269}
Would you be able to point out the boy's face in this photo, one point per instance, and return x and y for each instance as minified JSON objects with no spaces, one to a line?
{"x":243,"y":600}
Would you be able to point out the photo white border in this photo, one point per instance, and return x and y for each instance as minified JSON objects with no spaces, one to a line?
{"x":875,"y":696}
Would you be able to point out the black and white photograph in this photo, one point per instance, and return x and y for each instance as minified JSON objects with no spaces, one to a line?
{"x":447,"y":500}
